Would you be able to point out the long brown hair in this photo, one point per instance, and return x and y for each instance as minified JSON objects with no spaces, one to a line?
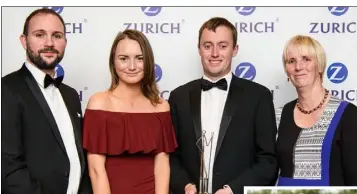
{"x":148,"y":84}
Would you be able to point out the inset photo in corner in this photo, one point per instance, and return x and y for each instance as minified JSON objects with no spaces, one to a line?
{"x":300,"y":190}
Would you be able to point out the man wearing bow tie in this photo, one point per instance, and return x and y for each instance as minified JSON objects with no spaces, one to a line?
{"x":41,"y":117}
{"x":228,"y":119}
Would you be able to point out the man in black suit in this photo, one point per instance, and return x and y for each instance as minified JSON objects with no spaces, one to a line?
{"x":231,"y":119}
{"x":41,"y":140}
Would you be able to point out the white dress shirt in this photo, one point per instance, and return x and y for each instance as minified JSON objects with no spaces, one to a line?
{"x":60,"y":113}
{"x":212,"y":105}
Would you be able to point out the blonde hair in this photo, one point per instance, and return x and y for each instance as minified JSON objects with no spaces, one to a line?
{"x":308,"y":46}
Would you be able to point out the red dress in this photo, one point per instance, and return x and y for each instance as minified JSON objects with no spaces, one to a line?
{"x":130,"y":142}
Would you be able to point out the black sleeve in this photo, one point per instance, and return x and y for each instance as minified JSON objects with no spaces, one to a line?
{"x":85,"y":186}
{"x":265,"y":170}
{"x":179,"y":177}
{"x":349,"y":144}
{"x":15,"y":176}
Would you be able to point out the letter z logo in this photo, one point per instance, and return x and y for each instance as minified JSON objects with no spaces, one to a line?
{"x":337,"y":73}
{"x":246,"y":70}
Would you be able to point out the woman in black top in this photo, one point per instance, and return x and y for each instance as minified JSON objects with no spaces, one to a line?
{"x":317,"y":135}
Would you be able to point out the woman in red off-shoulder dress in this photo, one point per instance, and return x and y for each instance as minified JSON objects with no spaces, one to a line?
{"x":128,"y":132}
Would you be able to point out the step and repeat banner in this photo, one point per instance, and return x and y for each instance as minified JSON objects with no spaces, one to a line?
{"x":173,"y":34}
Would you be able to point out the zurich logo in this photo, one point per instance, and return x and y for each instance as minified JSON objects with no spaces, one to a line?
{"x":57,"y":9}
{"x":245,"y":11}
{"x":337,"y":73}
{"x":338,"y":11}
{"x":151,"y":11}
{"x":158,"y":73}
{"x":59,"y":70}
{"x":246,"y":70}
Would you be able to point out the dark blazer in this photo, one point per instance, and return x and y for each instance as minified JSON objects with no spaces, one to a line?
{"x":33,"y":156}
{"x":245,"y":153}
{"x":343,"y":157}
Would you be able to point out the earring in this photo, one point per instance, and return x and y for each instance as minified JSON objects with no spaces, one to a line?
{"x":288,"y":79}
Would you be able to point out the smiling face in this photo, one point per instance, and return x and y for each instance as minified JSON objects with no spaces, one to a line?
{"x":217,"y":49}
{"x":45,"y":42}
{"x":129,"y":61}
{"x":304,"y":61}
{"x":301,"y":67}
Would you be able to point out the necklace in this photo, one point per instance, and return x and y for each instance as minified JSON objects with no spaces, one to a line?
{"x":314,"y":109}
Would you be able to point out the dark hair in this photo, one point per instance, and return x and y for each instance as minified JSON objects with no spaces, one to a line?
{"x":41,"y":11}
{"x":214,"y":23}
{"x":148,"y":84}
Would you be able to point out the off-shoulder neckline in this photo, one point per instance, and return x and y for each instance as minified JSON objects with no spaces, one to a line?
{"x":122,"y":112}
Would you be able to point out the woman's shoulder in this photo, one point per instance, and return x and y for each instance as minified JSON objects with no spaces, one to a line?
{"x":283,"y":111}
{"x":98,"y":100}
{"x":287,"y":106}
{"x":163,"y":106}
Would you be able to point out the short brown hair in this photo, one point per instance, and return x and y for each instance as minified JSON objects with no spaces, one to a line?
{"x":148,"y":84}
{"x":41,"y":11}
{"x":214,"y":23}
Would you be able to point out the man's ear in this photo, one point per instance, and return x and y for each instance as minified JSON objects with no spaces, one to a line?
{"x":23,"y":41}
{"x":235,"y":50}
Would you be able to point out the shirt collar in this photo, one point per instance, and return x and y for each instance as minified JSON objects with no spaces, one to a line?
{"x":37,"y":73}
{"x":228,"y":78}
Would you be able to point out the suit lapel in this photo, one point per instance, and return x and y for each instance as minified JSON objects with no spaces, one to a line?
{"x":229,"y":109}
{"x":76,"y":128}
{"x":31,"y":82}
{"x":195,"y":106}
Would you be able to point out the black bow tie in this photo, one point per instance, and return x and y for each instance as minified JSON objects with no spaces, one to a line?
{"x":49,"y":80}
{"x":207,"y":85}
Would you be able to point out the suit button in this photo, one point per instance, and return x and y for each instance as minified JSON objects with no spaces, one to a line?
{"x":66,"y":174}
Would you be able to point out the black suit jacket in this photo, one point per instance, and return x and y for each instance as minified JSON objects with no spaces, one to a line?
{"x":245,"y":153}
{"x":33,"y":156}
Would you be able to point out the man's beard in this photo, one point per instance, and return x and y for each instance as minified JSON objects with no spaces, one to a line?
{"x":37,"y":60}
